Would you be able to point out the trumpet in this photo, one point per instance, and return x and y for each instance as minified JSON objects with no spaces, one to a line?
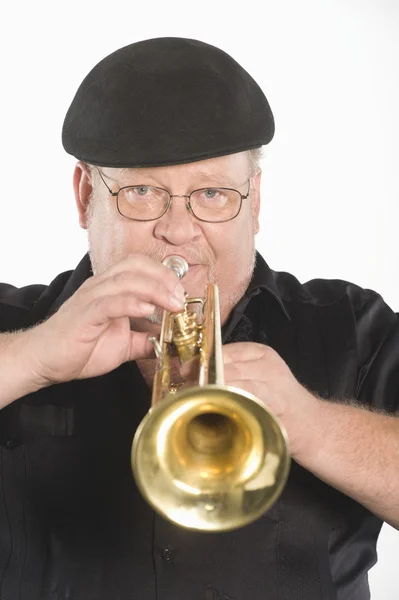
{"x":208,"y":457}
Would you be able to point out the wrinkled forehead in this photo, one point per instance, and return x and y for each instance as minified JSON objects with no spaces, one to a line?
{"x":229,"y":171}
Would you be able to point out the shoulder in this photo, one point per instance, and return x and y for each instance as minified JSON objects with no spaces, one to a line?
{"x":17,"y":304}
{"x":323,"y":292}
{"x":26,"y":306}
{"x":336,"y":299}
{"x":343,"y":301}
{"x":318,"y":292}
{"x":19,"y":298}
{"x":345,"y":309}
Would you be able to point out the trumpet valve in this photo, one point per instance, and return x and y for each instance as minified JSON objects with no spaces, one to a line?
{"x":186,"y":334}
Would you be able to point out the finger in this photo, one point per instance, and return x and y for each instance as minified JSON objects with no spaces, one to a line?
{"x":239,"y":370}
{"x":111,"y":306}
{"x":140,"y":346}
{"x":270,"y":402}
{"x":147,"y":290}
{"x":140,"y":266}
{"x":244,"y":352}
{"x":257,"y":389}
{"x":96,"y":317}
{"x":149,"y":279}
{"x":253,"y":387}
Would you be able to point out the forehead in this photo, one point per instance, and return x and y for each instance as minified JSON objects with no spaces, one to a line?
{"x":232,"y":169}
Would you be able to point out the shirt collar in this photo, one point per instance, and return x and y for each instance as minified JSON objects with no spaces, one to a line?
{"x":264,"y":278}
{"x":76,"y":278}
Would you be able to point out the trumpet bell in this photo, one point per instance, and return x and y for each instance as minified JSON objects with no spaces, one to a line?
{"x":210,"y":458}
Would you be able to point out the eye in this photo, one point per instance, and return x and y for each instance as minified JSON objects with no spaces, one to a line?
{"x":211,"y":193}
{"x":141,"y":190}
{"x":136,"y":193}
{"x":212,"y":197}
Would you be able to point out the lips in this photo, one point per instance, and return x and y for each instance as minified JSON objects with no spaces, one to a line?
{"x":192,"y":268}
{"x":188,"y":260}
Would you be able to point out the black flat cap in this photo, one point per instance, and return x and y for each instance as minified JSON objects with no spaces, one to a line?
{"x":166,"y":101}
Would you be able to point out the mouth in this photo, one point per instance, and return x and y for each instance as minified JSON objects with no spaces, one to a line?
{"x":194,"y":267}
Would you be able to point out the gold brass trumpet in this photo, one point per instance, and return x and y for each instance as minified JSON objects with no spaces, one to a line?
{"x":209,"y":457}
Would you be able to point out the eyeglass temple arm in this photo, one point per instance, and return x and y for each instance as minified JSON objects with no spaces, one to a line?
{"x":104,"y":182}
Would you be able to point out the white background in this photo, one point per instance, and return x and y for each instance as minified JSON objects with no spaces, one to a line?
{"x":330,"y":70}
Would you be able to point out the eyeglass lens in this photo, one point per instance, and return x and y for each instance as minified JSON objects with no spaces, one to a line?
{"x":146,"y":203}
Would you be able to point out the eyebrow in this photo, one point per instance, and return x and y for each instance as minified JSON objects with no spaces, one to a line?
{"x":221,"y":180}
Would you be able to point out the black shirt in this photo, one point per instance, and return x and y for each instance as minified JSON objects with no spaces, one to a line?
{"x":72,"y":523}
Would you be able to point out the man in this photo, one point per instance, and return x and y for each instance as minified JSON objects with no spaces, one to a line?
{"x":166,"y":132}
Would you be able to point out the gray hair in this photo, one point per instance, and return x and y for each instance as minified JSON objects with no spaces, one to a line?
{"x":255,"y":157}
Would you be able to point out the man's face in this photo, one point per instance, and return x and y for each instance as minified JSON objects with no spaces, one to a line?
{"x":220,"y":252}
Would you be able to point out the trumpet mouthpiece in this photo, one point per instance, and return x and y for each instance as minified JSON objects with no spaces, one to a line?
{"x":178,"y":264}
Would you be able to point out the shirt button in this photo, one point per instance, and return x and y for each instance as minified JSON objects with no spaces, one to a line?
{"x":10,"y":444}
{"x":167,"y":555}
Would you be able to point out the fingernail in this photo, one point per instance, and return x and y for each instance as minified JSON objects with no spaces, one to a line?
{"x":147,"y":308}
{"x":177,"y":301}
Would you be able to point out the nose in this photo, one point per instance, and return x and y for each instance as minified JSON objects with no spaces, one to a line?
{"x":177,"y":226}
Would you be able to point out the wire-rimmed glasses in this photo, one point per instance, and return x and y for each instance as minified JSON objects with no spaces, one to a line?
{"x":147,"y":202}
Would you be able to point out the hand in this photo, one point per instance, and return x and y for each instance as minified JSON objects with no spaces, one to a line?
{"x":258,"y":369}
{"x":90,"y":334}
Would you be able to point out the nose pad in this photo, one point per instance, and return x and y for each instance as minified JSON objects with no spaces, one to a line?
{"x":188,"y":206}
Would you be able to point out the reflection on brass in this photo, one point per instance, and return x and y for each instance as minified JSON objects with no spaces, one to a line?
{"x":209,"y":457}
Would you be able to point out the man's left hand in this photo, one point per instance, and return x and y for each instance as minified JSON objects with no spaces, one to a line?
{"x":259,"y":370}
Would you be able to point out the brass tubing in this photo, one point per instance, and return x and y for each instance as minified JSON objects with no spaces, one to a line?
{"x":209,"y":457}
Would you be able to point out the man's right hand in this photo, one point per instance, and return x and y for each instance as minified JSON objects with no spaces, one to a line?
{"x":90,"y":334}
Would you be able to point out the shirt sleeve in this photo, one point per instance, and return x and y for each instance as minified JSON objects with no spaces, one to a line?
{"x":15,"y":304}
{"x":377,"y":331}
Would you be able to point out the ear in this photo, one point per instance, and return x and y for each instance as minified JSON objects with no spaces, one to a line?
{"x":83,"y":188}
{"x":256,"y":200}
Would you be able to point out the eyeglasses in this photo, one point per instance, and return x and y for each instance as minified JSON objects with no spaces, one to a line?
{"x":147,"y":203}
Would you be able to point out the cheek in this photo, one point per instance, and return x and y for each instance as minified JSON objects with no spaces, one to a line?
{"x":107,"y":238}
{"x":234,"y":250}
{"x":238,"y":238}
{"x":112,"y":237}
